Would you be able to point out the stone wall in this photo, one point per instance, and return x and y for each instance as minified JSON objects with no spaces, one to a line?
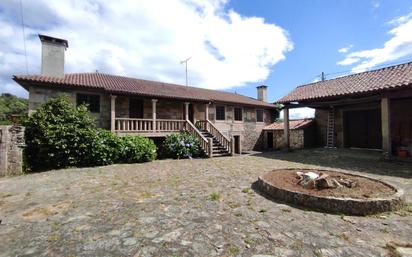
{"x":39,"y":95}
{"x":249,"y":130}
{"x":11,"y":152}
{"x":296,"y":139}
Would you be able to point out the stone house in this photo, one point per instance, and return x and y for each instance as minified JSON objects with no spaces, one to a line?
{"x":225,"y":123}
{"x":302,"y":134}
{"x":368,"y":110}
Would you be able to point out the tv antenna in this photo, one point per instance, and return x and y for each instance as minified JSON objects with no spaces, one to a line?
{"x":185,"y":62}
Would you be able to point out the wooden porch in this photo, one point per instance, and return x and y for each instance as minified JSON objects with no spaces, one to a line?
{"x":209,"y":136}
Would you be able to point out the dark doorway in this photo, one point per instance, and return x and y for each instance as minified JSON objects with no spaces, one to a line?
{"x":237,"y":144}
{"x":136,"y":108}
{"x":270,"y":139}
{"x":191,"y":112}
{"x":363,"y":129}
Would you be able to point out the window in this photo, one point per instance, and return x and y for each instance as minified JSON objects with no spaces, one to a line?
{"x":238,"y":114}
{"x":259,"y":115}
{"x":220,"y":113}
{"x":92,"y":101}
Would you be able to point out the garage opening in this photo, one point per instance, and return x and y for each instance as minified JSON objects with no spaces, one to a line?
{"x":363,"y":129}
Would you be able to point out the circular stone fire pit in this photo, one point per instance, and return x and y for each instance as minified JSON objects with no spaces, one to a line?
{"x":367,"y":196}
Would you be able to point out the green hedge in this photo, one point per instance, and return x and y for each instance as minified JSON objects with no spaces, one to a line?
{"x":59,"y":135}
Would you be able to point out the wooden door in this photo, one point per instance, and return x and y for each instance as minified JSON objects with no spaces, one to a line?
{"x":136,"y":108}
{"x":363,"y":129}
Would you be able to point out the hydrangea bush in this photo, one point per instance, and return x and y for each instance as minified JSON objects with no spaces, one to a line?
{"x":182,"y":145}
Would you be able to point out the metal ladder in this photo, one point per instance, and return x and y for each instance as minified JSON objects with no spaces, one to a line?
{"x":330,"y":132}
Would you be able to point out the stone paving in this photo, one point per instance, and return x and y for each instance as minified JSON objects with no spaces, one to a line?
{"x":203,"y":207}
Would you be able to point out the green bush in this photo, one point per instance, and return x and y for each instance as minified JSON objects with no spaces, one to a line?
{"x":137,"y":149}
{"x":183,"y":145}
{"x":59,"y":135}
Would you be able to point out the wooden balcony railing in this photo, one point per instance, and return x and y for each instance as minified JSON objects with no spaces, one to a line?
{"x":204,"y":142}
{"x":148,"y":125}
{"x":158,"y":126}
{"x":210,"y":127}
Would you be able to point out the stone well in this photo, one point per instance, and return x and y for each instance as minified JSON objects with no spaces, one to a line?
{"x":347,"y":206}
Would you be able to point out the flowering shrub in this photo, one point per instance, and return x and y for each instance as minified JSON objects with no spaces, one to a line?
{"x":183,"y":145}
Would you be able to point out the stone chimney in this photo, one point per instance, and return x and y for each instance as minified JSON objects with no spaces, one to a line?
{"x":52,"y":56}
{"x":262,"y":93}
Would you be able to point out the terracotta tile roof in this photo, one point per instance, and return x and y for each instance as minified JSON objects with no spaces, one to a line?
{"x":375,"y":81}
{"x":293,"y":124}
{"x":132,"y":86}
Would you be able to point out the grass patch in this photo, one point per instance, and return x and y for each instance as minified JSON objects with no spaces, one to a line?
{"x":318,"y":253}
{"x":392,"y":252}
{"x":233,"y":250}
{"x":233,"y":205}
{"x":214,"y":196}
{"x":247,"y":190}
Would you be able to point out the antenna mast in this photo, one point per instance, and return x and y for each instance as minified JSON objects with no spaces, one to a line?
{"x":185,"y":62}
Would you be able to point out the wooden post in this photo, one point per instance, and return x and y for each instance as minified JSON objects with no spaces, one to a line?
{"x":112,"y":113}
{"x":232,"y":145}
{"x":207,"y":111}
{"x":187,"y":110}
{"x":210,"y":140}
{"x":386,"y":127}
{"x":154,"y":101}
{"x":286,"y":127}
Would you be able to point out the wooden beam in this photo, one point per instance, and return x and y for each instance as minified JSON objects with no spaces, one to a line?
{"x":286,"y":127}
{"x":207,"y":111}
{"x":154,"y":101}
{"x":186,"y":110}
{"x":386,"y":127}
{"x":112,"y":113}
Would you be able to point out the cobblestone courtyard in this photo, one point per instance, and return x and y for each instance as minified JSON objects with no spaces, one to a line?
{"x":203,"y":207}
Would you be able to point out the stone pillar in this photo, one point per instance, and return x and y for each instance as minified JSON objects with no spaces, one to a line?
{"x":386,"y":127}
{"x":207,"y":111}
{"x":154,"y":101}
{"x":187,"y":110}
{"x":286,"y":127}
{"x":112,"y":113}
{"x":11,"y":152}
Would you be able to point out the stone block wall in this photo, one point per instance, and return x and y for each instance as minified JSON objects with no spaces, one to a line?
{"x":11,"y":152}
{"x":39,"y":95}
{"x":249,"y":130}
{"x":296,"y":139}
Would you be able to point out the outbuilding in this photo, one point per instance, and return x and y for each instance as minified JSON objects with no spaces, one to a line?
{"x":368,"y":110}
{"x":302,"y":134}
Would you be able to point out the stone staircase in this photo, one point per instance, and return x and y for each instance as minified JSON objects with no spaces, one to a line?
{"x":218,"y":148}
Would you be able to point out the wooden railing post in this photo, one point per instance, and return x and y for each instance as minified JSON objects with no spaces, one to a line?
{"x":112,"y":113}
{"x":210,"y":141}
{"x":232,"y":145}
{"x":154,"y":101}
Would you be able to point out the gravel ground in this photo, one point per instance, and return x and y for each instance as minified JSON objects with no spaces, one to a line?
{"x":203,"y":207}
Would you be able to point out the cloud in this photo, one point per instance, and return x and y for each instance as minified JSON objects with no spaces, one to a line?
{"x":398,"y":46}
{"x":146,"y":39}
{"x":345,"y":49}
{"x":300,"y":113}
